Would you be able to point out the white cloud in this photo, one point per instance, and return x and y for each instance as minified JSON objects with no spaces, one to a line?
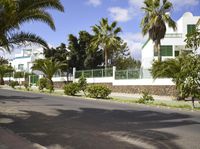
{"x":182,"y":3}
{"x":134,"y":9}
{"x":94,"y":3}
{"x":119,"y":14}
{"x":178,"y":4}
{"x":136,"y":3}
{"x":135,"y":42}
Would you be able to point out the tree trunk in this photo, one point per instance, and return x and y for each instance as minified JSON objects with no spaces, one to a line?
{"x":193,"y":105}
{"x":159,"y":50}
{"x":51,"y":88}
{"x":106,"y":57}
{"x":1,"y":81}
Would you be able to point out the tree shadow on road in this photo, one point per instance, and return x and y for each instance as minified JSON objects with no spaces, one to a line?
{"x":101,"y":128}
{"x":17,"y":99}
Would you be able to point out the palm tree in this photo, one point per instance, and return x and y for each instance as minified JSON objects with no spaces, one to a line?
{"x":106,"y":37}
{"x":198,"y":23}
{"x":155,"y":20}
{"x":13,"y":13}
{"x":4,"y":69}
{"x":48,"y":67}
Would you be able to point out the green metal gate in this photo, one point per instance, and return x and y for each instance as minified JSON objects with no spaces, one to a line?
{"x":34,"y":79}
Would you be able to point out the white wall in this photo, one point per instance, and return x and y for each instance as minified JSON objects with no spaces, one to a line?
{"x":147,"y":55}
{"x":148,"y":52}
{"x":98,"y":80}
{"x":24,"y":61}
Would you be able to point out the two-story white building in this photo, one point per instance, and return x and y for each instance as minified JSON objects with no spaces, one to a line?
{"x":23,"y":61}
{"x":173,"y":43}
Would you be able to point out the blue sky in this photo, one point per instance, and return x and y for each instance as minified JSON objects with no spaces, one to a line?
{"x":82,"y":14}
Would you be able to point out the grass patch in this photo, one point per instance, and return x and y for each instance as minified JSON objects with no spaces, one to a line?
{"x":170,"y":104}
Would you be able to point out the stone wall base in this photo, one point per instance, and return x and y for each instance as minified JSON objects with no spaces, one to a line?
{"x":162,"y":90}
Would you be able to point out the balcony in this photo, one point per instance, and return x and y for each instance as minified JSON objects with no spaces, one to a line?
{"x":173,"y":35}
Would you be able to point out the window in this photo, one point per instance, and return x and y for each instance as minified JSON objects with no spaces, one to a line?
{"x":21,"y":66}
{"x":165,"y":51}
{"x":191,"y":28}
{"x":177,"y":53}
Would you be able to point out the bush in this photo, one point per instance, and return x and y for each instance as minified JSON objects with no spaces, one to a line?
{"x":146,"y":98}
{"x":42,"y":83}
{"x":13,"y":84}
{"x":82,"y":82}
{"x":71,"y":89}
{"x":98,"y":91}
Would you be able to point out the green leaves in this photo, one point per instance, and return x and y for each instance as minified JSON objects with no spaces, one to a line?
{"x":14,"y":13}
{"x":47,"y":66}
{"x":106,"y":36}
{"x":155,"y":20}
{"x":184,"y":70}
{"x":193,"y":39}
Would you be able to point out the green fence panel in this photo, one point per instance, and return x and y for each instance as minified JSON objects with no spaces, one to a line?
{"x":96,"y":73}
{"x":108,"y":72}
{"x":127,"y":74}
{"x":78,"y":74}
{"x":34,"y":79}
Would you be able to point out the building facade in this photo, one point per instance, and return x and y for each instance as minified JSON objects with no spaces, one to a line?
{"x":173,"y":43}
{"x":23,"y":61}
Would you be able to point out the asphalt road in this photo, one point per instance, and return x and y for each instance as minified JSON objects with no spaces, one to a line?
{"x":72,"y":123}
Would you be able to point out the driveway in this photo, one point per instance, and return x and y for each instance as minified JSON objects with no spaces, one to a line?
{"x":74,"y":123}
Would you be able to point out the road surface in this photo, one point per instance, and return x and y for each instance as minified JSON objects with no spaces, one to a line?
{"x":74,"y":123}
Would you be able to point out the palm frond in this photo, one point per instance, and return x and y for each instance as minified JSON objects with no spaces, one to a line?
{"x":22,"y":38}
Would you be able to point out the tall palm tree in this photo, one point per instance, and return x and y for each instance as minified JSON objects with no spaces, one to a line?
{"x":106,"y":37}
{"x":155,"y":20}
{"x":13,"y":13}
{"x":48,"y":67}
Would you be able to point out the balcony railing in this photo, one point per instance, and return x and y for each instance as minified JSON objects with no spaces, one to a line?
{"x":173,"y":35}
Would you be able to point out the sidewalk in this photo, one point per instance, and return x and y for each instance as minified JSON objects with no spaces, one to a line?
{"x":137,"y":96}
{"x":9,"y":140}
{"x":114,"y":95}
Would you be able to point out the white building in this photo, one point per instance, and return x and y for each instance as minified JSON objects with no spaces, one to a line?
{"x":173,"y":43}
{"x":24,"y":60}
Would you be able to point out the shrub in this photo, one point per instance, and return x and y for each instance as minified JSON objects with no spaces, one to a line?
{"x":42,"y":83}
{"x":82,"y":82}
{"x":71,"y":89}
{"x":98,"y":91}
{"x":146,"y":98}
{"x":13,"y":84}
{"x":184,"y":71}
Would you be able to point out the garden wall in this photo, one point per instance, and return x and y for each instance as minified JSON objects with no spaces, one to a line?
{"x":162,"y":90}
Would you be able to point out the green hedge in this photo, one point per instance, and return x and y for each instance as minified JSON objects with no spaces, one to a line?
{"x":71,"y":89}
{"x":98,"y":91}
